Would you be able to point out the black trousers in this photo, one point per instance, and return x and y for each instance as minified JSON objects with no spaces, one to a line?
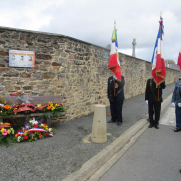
{"x":154,"y":107}
{"x":116,"y":110}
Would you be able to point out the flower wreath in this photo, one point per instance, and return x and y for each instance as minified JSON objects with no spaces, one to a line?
{"x":24,"y":107}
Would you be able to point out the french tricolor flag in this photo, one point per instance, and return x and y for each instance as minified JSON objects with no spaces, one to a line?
{"x":158,"y":63}
{"x":114,"y":64}
{"x":179,"y":60}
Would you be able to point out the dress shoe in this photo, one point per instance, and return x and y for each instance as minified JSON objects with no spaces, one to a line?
{"x":150,"y":126}
{"x":156,"y":126}
{"x":119,"y":123}
{"x":177,"y":130}
{"x":111,"y":121}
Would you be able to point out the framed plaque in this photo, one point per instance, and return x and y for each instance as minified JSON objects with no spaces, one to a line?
{"x":19,"y":58}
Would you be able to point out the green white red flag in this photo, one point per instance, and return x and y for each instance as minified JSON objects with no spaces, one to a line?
{"x":114,"y":64}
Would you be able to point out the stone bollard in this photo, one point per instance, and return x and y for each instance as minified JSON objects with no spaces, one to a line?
{"x":99,"y":127}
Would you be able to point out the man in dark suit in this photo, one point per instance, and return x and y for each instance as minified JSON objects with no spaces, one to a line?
{"x":115,"y":92}
{"x":153,"y":95}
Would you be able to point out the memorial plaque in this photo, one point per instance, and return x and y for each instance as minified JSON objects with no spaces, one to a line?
{"x":105,"y":55}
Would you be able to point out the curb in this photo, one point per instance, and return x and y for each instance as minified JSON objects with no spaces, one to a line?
{"x":112,"y":152}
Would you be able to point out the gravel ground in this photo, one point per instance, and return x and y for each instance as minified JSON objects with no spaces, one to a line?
{"x":56,"y":158}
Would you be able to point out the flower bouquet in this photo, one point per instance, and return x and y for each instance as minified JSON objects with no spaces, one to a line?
{"x":24,"y":108}
{"x":5,"y":108}
{"x":34,"y":130}
{"x":24,"y":98}
{"x":52,"y":109}
{"x":6,"y":134}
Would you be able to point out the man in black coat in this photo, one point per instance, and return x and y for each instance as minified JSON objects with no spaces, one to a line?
{"x":115,"y":92}
{"x":153,"y":95}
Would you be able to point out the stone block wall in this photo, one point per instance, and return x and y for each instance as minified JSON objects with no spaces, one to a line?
{"x":65,"y":66}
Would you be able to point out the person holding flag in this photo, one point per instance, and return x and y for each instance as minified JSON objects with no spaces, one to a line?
{"x":115,"y":90}
{"x":176,"y":98}
{"x":154,"y":86}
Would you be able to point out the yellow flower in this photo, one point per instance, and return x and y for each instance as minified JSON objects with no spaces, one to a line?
{"x":8,"y":131}
{"x":1,"y":123}
{"x":52,"y":108}
{"x":25,"y":133}
{"x":2,"y":130}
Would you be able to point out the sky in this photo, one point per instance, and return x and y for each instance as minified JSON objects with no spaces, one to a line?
{"x":93,"y":21}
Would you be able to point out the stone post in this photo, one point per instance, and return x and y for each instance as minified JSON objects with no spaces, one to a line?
{"x":134,"y":44}
{"x":99,"y":127}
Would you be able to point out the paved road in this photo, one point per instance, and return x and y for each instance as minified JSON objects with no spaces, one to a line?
{"x":154,"y":157}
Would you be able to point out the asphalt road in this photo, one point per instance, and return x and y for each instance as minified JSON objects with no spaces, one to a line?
{"x":155,"y":156}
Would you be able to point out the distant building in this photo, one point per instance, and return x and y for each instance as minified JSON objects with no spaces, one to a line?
{"x":108,"y":46}
{"x":171,"y":64}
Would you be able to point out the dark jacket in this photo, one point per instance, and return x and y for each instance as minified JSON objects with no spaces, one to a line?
{"x":151,"y":93}
{"x":119,"y":89}
{"x":176,"y":98}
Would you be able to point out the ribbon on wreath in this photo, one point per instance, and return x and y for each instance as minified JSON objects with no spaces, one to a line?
{"x":20,"y":133}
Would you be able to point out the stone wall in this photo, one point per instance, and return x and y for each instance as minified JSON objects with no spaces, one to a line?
{"x":65,"y":66}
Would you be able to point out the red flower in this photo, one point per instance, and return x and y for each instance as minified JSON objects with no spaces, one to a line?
{"x":35,"y":126}
{"x":47,"y":134}
{"x":40,"y":135}
{"x":45,"y":124}
{"x":25,"y":137}
{"x":30,"y":132}
{"x":19,"y":130}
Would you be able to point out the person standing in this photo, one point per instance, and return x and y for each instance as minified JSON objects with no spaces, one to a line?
{"x":153,"y":94}
{"x":176,"y":102}
{"x":115,"y":92}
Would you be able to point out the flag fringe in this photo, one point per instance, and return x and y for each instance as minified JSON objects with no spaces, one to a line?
{"x":115,"y":75}
{"x":160,"y":81}
{"x":158,"y":75}
{"x":112,"y":66}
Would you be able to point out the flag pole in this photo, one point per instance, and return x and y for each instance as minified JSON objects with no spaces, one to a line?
{"x":160,"y":45}
{"x":116,"y":52}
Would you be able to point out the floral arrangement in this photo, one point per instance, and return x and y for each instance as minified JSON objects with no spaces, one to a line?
{"x":24,"y":98}
{"x":6,"y":134}
{"x":24,"y":108}
{"x":34,"y":130}
{"x":52,"y":109}
{"x":5,"y":108}
{"x":16,"y":94}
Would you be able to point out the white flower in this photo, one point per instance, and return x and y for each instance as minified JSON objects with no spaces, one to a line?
{"x":49,"y":129}
{"x":42,"y":124}
{"x":33,"y":122}
{"x":18,"y":139}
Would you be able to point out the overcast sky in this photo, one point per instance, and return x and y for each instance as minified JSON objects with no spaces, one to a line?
{"x":93,"y":21}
